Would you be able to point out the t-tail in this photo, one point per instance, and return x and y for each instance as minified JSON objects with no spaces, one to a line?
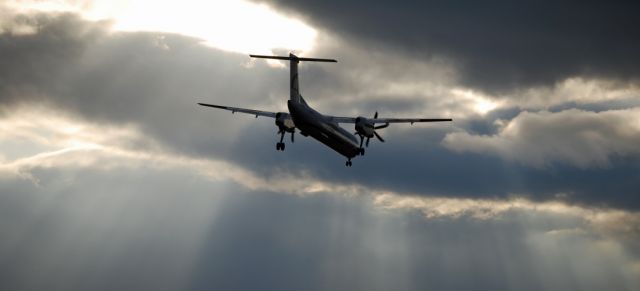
{"x":293,"y":67}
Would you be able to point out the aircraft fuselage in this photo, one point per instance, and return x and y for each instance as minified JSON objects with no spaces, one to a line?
{"x":321,"y":128}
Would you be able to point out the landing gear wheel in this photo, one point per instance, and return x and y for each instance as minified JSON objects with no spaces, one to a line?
{"x":348,"y":164}
{"x":361,"y":151}
{"x":280,"y":146}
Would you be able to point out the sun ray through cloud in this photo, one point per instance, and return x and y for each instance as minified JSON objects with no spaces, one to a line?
{"x":232,"y":25}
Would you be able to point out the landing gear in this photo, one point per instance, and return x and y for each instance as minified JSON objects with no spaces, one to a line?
{"x":348,"y":163}
{"x":280,"y":145}
{"x":361,"y":149}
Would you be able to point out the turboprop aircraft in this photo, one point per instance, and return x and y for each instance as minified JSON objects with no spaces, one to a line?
{"x":324,"y":128}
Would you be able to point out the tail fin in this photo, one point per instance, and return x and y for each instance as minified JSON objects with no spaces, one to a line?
{"x":293,"y":67}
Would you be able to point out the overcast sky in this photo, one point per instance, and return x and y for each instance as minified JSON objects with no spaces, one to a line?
{"x":112,"y":178}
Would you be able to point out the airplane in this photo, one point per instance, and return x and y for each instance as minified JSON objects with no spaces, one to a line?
{"x":324,"y":128}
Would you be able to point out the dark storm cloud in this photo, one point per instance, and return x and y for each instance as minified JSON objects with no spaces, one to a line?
{"x":497,"y":45}
{"x":36,"y":60}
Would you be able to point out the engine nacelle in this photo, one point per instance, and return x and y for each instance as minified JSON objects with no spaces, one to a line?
{"x":364,"y":126}
{"x":285,"y":122}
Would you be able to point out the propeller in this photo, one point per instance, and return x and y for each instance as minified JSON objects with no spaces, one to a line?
{"x":378,"y":136}
{"x":375,"y":116}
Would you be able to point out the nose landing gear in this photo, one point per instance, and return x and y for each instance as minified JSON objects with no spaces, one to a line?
{"x":348,"y":163}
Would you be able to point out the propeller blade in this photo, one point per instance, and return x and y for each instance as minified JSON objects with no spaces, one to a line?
{"x":378,"y":136}
{"x":292,"y":133}
{"x":382,"y":126}
{"x":367,"y":143}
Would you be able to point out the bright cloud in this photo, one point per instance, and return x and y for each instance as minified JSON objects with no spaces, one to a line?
{"x":605,"y":221}
{"x":582,"y":138}
{"x":230,"y":25}
{"x":576,"y":89}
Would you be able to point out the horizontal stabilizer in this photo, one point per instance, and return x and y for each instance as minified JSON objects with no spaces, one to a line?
{"x":293,"y":57}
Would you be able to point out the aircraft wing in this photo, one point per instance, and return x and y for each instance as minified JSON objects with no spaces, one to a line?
{"x":389,"y":120}
{"x":242,"y":110}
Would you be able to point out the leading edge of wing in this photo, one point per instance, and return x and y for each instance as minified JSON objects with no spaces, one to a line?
{"x":241,"y":110}
{"x":339,"y":119}
{"x":409,"y":120}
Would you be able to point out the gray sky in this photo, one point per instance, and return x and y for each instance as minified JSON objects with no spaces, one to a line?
{"x":112,"y":178}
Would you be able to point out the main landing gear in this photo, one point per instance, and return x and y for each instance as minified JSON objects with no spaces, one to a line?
{"x":348,"y":163}
{"x":280,"y":145}
{"x":361,"y":149}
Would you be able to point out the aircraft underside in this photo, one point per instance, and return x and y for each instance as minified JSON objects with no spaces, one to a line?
{"x":332,"y":140}
{"x":311,"y":123}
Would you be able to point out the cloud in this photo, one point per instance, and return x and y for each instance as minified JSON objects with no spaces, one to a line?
{"x":581,"y":138}
{"x":602,"y":221}
{"x":38,"y":140}
{"x":575,"y":92}
{"x":150,"y":228}
{"x":150,"y":82}
{"x":41,"y":142}
{"x":111,"y":177}
{"x":131,"y":78}
{"x":142,"y":217}
{"x":496,"y":46}
{"x":221,"y":24}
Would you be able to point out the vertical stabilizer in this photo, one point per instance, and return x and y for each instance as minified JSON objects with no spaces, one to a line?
{"x":294,"y":86}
